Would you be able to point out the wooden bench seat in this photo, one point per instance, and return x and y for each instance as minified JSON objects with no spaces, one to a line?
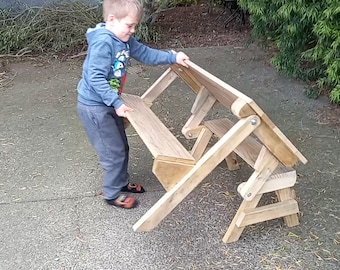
{"x":163,"y":145}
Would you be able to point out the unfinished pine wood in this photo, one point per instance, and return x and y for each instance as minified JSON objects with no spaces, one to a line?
{"x":203,"y":103}
{"x":248,"y":150}
{"x":191,"y":132}
{"x":268,"y":212}
{"x":276,"y":182}
{"x":232,"y":163}
{"x":187,"y":77}
{"x":264,"y":166}
{"x":159,"y":86}
{"x":296,"y":152}
{"x":203,"y":167}
{"x":234,"y":232}
{"x":222,"y":91}
{"x":200,"y":100}
{"x":269,"y":152}
{"x":276,"y":145}
{"x":201,"y":143}
{"x":273,"y":138}
{"x":156,"y":136}
{"x":169,"y":173}
{"x":278,"y":133}
{"x":241,"y":108}
{"x":286,"y":195}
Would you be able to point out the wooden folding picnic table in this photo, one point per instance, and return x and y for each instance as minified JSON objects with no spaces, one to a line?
{"x":253,"y":138}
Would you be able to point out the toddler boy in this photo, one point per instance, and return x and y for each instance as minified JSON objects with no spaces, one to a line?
{"x":100,"y":109}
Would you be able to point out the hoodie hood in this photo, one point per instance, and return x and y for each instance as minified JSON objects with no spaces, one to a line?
{"x":97,"y":31}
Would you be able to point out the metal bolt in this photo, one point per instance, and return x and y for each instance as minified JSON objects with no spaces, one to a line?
{"x":180,"y":69}
{"x":253,"y":122}
{"x":249,"y":194}
{"x":189,"y":135}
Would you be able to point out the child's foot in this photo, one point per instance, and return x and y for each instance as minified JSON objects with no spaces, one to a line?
{"x":123,"y":201}
{"x":134,"y":188}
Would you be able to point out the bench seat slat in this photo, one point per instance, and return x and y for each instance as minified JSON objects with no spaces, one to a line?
{"x":156,"y":136}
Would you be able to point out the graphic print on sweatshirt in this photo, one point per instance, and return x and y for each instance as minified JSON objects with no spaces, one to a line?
{"x":119,"y":71}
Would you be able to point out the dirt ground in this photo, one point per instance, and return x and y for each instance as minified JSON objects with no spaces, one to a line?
{"x":201,"y":25}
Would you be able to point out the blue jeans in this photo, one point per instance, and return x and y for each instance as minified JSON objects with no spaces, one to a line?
{"x":105,"y":130}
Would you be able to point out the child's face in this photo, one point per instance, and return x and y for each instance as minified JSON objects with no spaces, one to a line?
{"x":122,"y":28}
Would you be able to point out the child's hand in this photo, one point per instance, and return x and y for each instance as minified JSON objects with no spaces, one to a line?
{"x":121,"y":111}
{"x":181,"y":57}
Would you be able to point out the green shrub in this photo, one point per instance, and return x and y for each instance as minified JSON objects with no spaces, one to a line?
{"x":307,"y":36}
{"x":326,"y":52}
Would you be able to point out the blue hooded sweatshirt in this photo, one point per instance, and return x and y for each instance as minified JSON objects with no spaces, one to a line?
{"x":104,"y":69}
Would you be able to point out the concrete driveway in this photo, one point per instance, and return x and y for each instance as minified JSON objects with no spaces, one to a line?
{"x":53,"y":218}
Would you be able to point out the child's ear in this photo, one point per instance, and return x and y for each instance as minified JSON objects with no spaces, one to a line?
{"x":110,"y":18}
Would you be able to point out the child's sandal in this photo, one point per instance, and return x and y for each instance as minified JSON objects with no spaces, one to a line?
{"x":123,"y":201}
{"x":134,"y":188}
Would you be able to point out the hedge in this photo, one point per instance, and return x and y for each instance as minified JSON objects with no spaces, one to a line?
{"x":306,"y":34}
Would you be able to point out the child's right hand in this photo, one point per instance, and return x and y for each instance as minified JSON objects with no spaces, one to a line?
{"x":121,"y":111}
{"x":181,"y":57}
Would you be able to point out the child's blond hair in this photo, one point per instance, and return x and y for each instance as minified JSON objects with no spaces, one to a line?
{"x":122,"y":8}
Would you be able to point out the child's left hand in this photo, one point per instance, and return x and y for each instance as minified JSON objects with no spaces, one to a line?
{"x":121,"y":111}
{"x":181,"y":57}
